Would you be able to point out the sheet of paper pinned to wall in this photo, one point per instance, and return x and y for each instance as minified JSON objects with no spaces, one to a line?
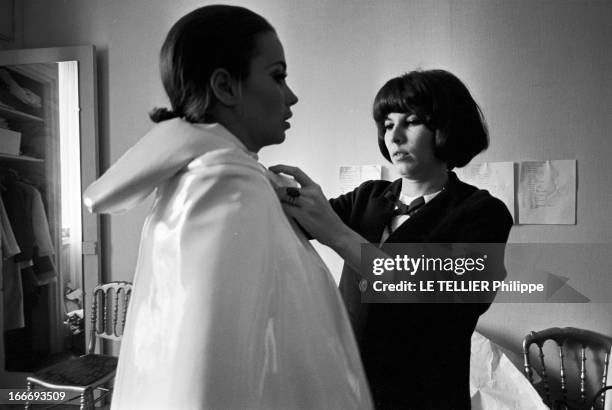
{"x":547,"y":192}
{"x":351,"y":176}
{"x":495,"y":177}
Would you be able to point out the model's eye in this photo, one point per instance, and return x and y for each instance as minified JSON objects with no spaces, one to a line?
{"x":388,"y":126}
{"x":279,"y":77}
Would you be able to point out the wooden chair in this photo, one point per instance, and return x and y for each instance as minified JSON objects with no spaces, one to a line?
{"x":565,"y":338}
{"x":92,"y":371}
{"x":601,"y":392}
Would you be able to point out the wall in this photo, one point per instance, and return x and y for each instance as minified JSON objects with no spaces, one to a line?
{"x":540,"y":71}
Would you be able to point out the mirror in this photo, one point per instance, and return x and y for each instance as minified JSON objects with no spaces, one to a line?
{"x":47,"y":154}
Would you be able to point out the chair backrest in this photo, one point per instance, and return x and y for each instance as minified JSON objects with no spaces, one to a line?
{"x":566,"y":338}
{"x":109,"y":311}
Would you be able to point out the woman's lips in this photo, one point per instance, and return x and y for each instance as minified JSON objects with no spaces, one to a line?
{"x":286,"y":124}
{"x":401,"y":156}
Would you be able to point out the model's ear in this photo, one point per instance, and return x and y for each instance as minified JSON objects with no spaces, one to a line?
{"x":224,"y":87}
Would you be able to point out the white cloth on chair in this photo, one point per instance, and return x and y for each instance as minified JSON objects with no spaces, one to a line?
{"x":496,"y":383}
{"x":232,"y":307}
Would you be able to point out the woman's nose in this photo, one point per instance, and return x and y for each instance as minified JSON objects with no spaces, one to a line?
{"x":291,"y":98}
{"x":397,"y":135}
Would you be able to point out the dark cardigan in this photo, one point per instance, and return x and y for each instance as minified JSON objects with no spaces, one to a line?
{"x":417,"y":356}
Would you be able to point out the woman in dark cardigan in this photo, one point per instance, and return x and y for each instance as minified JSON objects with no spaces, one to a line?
{"x":416,"y":355}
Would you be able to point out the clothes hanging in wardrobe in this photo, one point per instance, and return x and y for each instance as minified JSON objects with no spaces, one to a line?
{"x":11,"y":276}
{"x":31,"y":268}
{"x":27,"y":215}
{"x":7,"y":237}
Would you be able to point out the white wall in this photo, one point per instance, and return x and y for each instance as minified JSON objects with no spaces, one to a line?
{"x":539,"y":69}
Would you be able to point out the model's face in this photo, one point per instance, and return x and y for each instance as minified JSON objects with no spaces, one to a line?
{"x":411,"y":146}
{"x":265,"y":102}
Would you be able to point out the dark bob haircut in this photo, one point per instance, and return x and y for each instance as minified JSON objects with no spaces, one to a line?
{"x":208,"y":38}
{"x":445,"y":106}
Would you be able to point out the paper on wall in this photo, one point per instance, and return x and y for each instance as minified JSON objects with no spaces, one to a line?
{"x":351,"y":176}
{"x":547,"y":192}
{"x":495,"y":177}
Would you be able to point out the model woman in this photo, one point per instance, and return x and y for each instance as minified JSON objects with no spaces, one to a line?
{"x":232,"y":307}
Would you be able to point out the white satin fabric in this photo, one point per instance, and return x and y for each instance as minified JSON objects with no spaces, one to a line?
{"x":232,"y":306}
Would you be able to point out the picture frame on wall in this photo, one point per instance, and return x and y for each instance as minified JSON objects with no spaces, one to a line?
{"x":7,"y":20}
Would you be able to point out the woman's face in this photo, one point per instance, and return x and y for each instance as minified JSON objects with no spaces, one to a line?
{"x":411,"y":146}
{"x":265,"y":102}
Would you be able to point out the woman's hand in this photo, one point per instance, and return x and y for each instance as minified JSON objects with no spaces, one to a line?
{"x":309,"y":207}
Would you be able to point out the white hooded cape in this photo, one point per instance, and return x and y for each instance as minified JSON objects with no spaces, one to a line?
{"x":232,"y":307}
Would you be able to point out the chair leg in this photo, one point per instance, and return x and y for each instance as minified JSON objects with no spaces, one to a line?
{"x":86,"y":400}
{"x":28,"y":390}
{"x":83,"y":401}
{"x":90,"y":399}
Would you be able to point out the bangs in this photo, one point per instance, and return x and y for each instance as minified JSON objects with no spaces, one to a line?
{"x":398,"y":95}
{"x":443,"y":104}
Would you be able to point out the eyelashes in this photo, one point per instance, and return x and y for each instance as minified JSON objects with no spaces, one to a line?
{"x":279,"y":77}
{"x":408,"y":121}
